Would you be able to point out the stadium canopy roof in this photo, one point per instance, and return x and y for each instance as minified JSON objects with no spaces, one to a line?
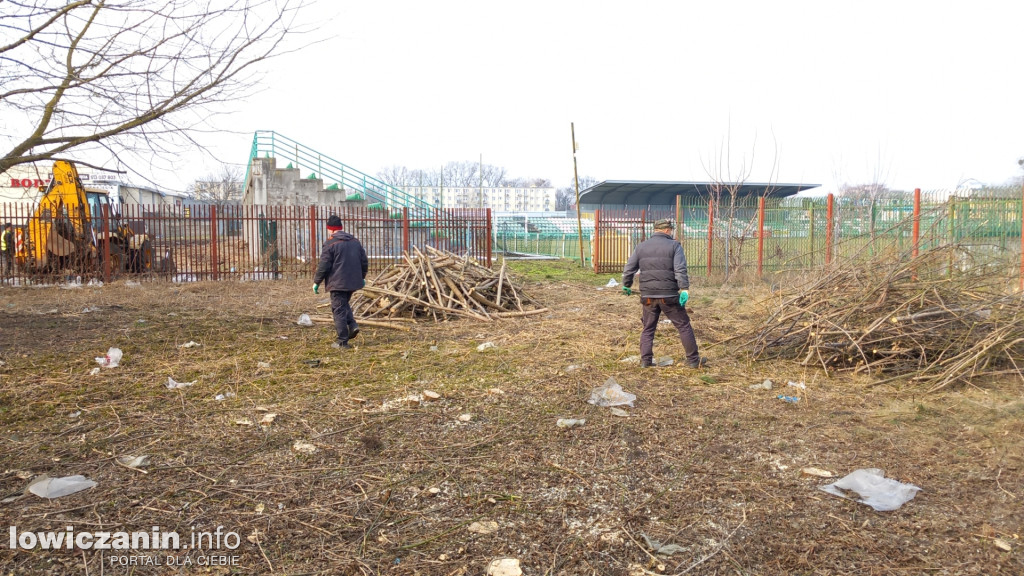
{"x":638,"y":193}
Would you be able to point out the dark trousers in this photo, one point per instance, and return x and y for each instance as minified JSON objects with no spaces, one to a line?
{"x":653,"y":308}
{"x":344,"y":321}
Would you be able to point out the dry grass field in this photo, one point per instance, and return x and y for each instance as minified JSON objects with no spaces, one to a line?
{"x":358,"y":473}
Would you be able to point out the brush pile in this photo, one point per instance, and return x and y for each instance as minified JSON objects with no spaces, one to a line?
{"x":909,"y":317}
{"x":442,"y":285}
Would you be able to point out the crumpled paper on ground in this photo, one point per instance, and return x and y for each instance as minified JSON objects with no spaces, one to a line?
{"x":874,"y":489}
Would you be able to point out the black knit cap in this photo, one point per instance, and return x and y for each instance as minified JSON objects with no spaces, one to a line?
{"x":334,"y":221}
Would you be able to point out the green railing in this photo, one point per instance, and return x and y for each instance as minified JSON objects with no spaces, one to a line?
{"x":334,"y":173}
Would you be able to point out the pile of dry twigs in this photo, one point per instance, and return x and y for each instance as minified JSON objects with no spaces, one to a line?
{"x":919,"y":317}
{"x":441,"y":285}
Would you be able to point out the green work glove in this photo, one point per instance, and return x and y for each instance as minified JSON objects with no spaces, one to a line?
{"x":364,"y":282}
{"x":627,"y":291}
{"x":684,"y":296}
{"x":316,"y":288}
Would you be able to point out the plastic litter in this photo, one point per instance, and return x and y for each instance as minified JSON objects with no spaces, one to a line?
{"x":874,"y":489}
{"x":172,"y":385}
{"x":766,"y":385}
{"x":799,"y":385}
{"x":133,"y":461}
{"x":46,"y":487}
{"x":485,"y":346}
{"x":224,"y":396}
{"x":663,"y":549}
{"x":94,"y":371}
{"x":611,"y":394}
{"x":619,"y":412}
{"x":665,"y":361}
{"x":112,"y":358}
{"x":304,"y":320}
{"x":790,"y":399}
{"x":570,"y":422}
{"x":612,"y":283}
{"x":189,"y":344}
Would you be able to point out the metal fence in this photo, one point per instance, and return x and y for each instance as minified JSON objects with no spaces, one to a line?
{"x":765,"y":235}
{"x":190,"y":243}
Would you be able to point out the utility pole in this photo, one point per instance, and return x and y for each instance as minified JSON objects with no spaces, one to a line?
{"x":576,"y":175}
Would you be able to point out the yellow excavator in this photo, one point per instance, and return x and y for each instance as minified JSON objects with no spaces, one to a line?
{"x":67,"y":231}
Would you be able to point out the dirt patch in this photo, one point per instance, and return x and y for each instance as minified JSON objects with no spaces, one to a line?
{"x":360,"y":472}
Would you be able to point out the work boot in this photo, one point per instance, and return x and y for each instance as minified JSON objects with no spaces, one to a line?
{"x":340,"y":344}
{"x":646,"y":364}
{"x":353,"y":331}
{"x":702,"y":362}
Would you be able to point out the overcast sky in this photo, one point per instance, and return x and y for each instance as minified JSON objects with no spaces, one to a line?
{"x":910,"y":94}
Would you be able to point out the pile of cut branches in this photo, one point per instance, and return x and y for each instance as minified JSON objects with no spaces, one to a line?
{"x":442,"y":285}
{"x":900,"y":317}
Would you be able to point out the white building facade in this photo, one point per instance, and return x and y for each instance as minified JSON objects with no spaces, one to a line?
{"x":505,"y":199}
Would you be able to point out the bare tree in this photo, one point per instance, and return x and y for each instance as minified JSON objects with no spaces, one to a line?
{"x":565,"y":197}
{"x":123,"y":76}
{"x":221,"y":190}
{"x":728,"y":177}
{"x":397,"y":176}
{"x":869,"y":194}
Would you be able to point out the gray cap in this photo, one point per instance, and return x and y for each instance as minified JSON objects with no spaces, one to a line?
{"x":664,"y":223}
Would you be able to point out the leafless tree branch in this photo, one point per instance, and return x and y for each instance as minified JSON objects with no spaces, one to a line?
{"x":128,"y":75}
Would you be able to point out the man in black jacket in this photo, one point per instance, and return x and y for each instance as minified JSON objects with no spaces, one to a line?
{"x":343,"y":265}
{"x":659,"y":265}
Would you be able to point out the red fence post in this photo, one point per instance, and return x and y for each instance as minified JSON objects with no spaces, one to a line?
{"x":488,"y":233}
{"x":1022,"y":238}
{"x":916,"y":230}
{"x":213,"y":241}
{"x":405,"y":230}
{"x":312,"y":240}
{"x":596,"y":256}
{"x":829,"y":229}
{"x":760,"y":236}
{"x":711,"y":230}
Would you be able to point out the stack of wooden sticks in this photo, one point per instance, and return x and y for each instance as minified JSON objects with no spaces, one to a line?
{"x":442,"y":285}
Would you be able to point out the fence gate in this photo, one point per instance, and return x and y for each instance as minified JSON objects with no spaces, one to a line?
{"x":616,"y":234}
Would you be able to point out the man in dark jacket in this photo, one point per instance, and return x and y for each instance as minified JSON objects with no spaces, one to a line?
{"x":343,"y":265}
{"x":659,"y":265}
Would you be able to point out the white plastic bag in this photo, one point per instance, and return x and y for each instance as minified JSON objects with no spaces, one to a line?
{"x":874,"y":489}
{"x":172,"y":385}
{"x":112,"y":359}
{"x":612,"y":283}
{"x":46,"y":487}
{"x":304,"y":320}
{"x":611,"y":394}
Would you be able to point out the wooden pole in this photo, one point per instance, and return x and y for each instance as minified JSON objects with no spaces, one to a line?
{"x":576,"y":176}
